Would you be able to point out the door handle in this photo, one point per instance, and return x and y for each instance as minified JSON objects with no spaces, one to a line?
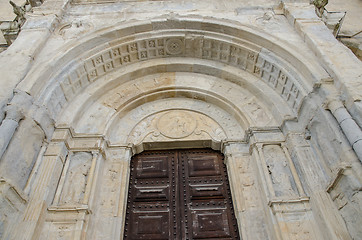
{"x":199,"y":189}
{"x":151,"y":190}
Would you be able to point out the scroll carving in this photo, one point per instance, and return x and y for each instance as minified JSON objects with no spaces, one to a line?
{"x":176,"y":124}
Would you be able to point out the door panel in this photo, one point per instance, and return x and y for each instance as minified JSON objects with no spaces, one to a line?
{"x":179,"y":194}
{"x":153,"y":167}
{"x":202,"y":165}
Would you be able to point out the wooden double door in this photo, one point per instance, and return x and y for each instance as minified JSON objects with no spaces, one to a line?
{"x":179,"y":194}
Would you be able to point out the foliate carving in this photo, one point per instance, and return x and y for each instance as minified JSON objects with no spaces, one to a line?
{"x":142,"y":120}
{"x":176,"y":124}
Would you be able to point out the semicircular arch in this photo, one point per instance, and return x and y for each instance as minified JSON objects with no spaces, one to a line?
{"x":224,"y":48}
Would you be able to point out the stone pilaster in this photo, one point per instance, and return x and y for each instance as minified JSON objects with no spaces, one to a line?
{"x":247,"y":199}
{"x":41,"y":196}
{"x":329,"y":221}
{"x":285,"y":201}
{"x":108,"y":222}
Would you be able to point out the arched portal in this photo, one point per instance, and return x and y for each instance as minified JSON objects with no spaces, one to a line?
{"x":170,"y":85}
{"x":179,"y":194}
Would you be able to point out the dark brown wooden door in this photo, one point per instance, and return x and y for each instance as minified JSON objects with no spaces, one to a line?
{"x":179,"y":194}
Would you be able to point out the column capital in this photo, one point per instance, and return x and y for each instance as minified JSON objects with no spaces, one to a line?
{"x":333,"y":103}
{"x":118,"y":153}
{"x":14,"y":112}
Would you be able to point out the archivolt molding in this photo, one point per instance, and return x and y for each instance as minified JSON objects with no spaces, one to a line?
{"x":198,"y":121}
{"x":119,"y":48}
{"x":149,"y":94}
{"x":247,"y":58}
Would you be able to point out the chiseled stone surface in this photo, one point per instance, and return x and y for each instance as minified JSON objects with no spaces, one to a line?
{"x":90,"y":83}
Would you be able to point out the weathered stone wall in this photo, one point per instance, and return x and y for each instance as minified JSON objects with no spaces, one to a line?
{"x":88,"y":84}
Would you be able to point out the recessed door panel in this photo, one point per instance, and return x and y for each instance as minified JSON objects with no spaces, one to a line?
{"x":210,"y":223}
{"x":179,"y":194}
{"x":201,"y":165}
{"x":150,"y":225}
{"x":151,"y":167}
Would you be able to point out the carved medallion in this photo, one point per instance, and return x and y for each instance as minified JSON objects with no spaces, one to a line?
{"x":174,"y":46}
{"x":176,"y":124}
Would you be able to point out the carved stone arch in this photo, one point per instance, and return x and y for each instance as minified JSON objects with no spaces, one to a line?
{"x":125,"y":93}
{"x":98,"y":55}
{"x":194,"y":89}
{"x":114,"y":82}
{"x":179,"y":126}
{"x":99,"y":90}
{"x":90,"y":85}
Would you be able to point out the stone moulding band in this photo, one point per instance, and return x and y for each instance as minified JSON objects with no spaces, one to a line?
{"x":276,"y":76}
{"x":227,"y":48}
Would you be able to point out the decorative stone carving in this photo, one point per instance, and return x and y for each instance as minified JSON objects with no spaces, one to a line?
{"x":257,"y":112}
{"x":319,"y":5}
{"x":270,"y":71}
{"x":74,"y":29}
{"x":64,"y":223}
{"x":140,"y":121}
{"x":76,"y":179}
{"x":300,"y":230}
{"x":11,"y":29}
{"x":248,"y":182}
{"x":279,"y":171}
{"x":174,"y":46}
{"x":284,"y":83}
{"x":176,"y":124}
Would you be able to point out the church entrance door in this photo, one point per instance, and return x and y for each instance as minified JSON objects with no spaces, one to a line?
{"x":179,"y":194}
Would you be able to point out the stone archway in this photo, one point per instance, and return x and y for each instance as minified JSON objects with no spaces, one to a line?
{"x":117,"y":100}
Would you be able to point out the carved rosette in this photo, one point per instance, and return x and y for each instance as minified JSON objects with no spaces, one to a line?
{"x":174,"y":46}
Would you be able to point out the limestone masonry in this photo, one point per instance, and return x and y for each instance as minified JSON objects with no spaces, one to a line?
{"x":274,"y":85}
